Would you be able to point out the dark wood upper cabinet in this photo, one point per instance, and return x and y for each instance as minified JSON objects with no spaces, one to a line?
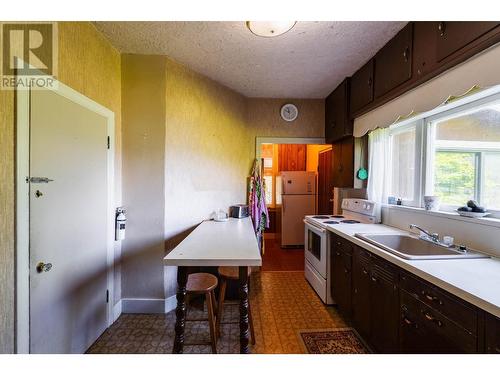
{"x":343,"y":163}
{"x":361,"y":87}
{"x":393,"y":63}
{"x":337,"y":122}
{"x":454,"y":35}
{"x":424,"y":48}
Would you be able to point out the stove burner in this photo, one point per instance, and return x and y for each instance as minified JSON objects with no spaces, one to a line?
{"x":337,"y":216}
{"x":349,"y":222}
{"x":320,"y":217}
{"x":330,"y":222}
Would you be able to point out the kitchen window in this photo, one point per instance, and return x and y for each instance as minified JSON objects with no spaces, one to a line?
{"x":453,"y":153}
{"x":464,"y":156}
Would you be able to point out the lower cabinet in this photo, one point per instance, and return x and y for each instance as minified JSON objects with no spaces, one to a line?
{"x":424,"y":330}
{"x":492,"y":334}
{"x":341,"y":267}
{"x":384,"y":298}
{"x":361,"y":280}
{"x":375,"y":301}
{"x":395,"y":311}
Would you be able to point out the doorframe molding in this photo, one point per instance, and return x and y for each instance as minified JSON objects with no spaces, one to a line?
{"x":259,"y":141}
{"x":22,"y":308}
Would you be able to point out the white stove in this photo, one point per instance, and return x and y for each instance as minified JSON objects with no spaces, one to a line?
{"x":317,"y":241}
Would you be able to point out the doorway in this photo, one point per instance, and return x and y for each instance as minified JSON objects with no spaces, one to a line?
{"x":65,"y":220}
{"x":288,"y":157}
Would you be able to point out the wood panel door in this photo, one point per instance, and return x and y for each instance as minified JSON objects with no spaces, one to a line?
{"x":292,"y":157}
{"x":325,"y":185}
{"x":393,"y":62}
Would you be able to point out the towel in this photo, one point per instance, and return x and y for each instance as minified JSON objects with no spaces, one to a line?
{"x":257,"y":203}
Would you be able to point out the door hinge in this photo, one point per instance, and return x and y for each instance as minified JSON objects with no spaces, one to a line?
{"x":108,"y":142}
{"x":107,"y":296}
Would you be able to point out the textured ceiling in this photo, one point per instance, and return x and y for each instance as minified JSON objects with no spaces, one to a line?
{"x":307,"y":62}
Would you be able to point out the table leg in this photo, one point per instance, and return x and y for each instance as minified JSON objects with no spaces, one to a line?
{"x":180,"y":311}
{"x":243,"y":289}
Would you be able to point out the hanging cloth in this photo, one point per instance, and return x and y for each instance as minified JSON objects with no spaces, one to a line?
{"x":257,"y":203}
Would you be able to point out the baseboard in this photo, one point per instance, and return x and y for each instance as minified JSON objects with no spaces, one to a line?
{"x":143,"y":305}
{"x":117,"y":310}
{"x":170,"y":303}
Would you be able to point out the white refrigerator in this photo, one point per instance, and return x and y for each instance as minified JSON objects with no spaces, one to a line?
{"x":298,"y":199}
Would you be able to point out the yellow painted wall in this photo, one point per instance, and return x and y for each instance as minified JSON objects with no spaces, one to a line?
{"x":143,"y":113}
{"x":210,"y":146}
{"x":89,"y":64}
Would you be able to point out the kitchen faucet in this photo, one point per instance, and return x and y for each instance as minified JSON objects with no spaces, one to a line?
{"x":432,"y":237}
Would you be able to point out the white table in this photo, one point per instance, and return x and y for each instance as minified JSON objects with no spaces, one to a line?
{"x":230,"y":243}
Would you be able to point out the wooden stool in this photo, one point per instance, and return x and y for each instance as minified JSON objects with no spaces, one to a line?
{"x":204,"y":283}
{"x":231,"y":273}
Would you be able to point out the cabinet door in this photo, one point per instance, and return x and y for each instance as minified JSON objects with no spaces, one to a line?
{"x":343,"y":163}
{"x":337,"y":122}
{"x":393,"y":62}
{"x":492,"y":333}
{"x":424,"y":48}
{"x":341,"y":276}
{"x":384,"y":294}
{"x":454,"y":35}
{"x":361,"y":291}
{"x":361,"y":88}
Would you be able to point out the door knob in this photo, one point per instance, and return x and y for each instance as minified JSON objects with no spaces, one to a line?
{"x":38,"y":193}
{"x":43,"y":267}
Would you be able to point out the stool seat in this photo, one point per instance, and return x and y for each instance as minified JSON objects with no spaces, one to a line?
{"x":201,"y":283}
{"x":231,"y":273}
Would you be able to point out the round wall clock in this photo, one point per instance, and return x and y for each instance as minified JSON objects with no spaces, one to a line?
{"x":289,"y":112}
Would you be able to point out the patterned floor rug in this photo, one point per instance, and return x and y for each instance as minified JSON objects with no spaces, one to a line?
{"x":337,"y":341}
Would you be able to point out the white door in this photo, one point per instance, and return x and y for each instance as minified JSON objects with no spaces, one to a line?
{"x":293,"y":210}
{"x":68,"y":224}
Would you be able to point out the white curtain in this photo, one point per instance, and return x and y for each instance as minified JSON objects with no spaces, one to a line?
{"x":378,"y":167}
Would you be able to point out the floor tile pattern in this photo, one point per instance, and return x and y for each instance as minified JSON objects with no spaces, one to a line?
{"x":283,"y":304}
{"x":277,"y":259}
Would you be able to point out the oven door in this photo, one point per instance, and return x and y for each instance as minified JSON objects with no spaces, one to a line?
{"x":315,"y":245}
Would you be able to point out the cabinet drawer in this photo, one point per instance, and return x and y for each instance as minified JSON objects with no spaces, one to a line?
{"x":452,"y":307}
{"x":425,"y":330}
{"x":342,"y":245}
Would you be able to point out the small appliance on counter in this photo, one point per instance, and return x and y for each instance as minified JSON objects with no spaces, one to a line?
{"x":239,"y":211}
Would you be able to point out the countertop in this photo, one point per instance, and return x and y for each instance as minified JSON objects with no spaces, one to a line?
{"x":476,"y":281}
{"x":212,"y":243}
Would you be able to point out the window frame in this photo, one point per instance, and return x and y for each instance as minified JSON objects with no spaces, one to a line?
{"x":419,"y":137}
{"x":425,"y":146}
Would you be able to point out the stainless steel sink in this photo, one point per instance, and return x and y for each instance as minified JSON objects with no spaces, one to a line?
{"x":413,"y":248}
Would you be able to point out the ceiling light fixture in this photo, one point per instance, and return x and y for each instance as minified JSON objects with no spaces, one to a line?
{"x":268,"y":29}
